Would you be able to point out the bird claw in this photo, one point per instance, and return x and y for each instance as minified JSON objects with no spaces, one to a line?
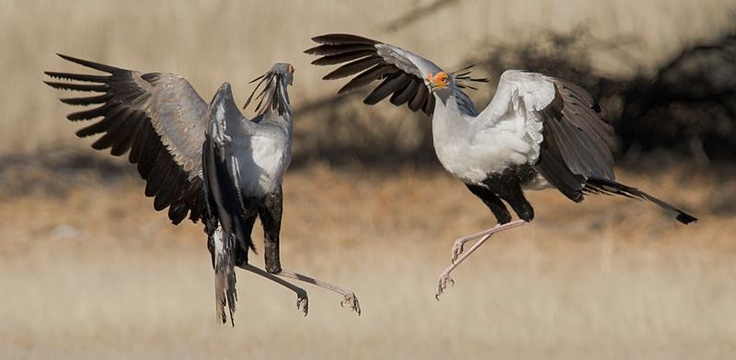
{"x":457,"y":250}
{"x":442,"y":283}
{"x":351,"y":301}
{"x":302,"y":302}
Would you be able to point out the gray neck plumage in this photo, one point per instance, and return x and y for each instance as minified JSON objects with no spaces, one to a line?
{"x":283,"y":120}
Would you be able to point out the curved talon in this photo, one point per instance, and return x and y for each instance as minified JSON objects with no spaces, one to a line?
{"x":351,"y":301}
{"x":442,"y":285}
{"x":457,"y":250}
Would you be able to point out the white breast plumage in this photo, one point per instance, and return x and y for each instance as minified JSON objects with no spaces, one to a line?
{"x":266,"y":156}
{"x":471,"y":150}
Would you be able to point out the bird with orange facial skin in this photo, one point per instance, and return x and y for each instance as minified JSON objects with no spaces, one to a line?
{"x":537,"y":132}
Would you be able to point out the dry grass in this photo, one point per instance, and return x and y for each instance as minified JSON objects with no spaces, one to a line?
{"x":210,"y":42}
{"x":95,"y":273}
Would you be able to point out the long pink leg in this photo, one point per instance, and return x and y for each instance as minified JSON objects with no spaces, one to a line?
{"x":302,"y":301}
{"x":349,"y":298}
{"x":457,"y":250}
{"x":458,"y":245}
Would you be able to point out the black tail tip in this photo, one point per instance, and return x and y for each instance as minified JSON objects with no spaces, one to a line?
{"x":686,"y":218}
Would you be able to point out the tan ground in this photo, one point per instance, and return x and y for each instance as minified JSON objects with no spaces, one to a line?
{"x":88,"y":270}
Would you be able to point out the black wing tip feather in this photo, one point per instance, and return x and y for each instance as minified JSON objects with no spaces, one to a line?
{"x":91,"y":64}
{"x":330,"y":42}
{"x":99,"y":82}
{"x":366,"y":77}
{"x":342,"y":38}
{"x":77,"y":87}
{"x":351,"y":68}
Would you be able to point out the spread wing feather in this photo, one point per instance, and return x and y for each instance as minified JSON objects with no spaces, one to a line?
{"x":401,"y":72}
{"x":156,"y":117}
{"x":578,"y":136}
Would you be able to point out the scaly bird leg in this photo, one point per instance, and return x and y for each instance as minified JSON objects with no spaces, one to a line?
{"x":302,"y":301}
{"x":349,"y":298}
{"x":457,"y":248}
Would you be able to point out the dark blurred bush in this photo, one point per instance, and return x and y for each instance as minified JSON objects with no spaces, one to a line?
{"x":341,"y":130}
{"x":688,"y":107}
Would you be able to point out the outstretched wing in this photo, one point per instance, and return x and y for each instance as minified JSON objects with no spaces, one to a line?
{"x":577,"y":142}
{"x":157,"y":117}
{"x":402,"y":72}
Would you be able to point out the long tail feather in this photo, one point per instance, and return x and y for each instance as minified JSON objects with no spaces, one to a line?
{"x":225,"y":293}
{"x":597,"y":185}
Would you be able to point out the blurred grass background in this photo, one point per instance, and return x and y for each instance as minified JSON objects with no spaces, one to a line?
{"x":210,"y":42}
{"x":89,"y":270}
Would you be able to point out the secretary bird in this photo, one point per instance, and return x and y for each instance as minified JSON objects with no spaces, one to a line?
{"x":203,"y":161}
{"x":537,"y":132}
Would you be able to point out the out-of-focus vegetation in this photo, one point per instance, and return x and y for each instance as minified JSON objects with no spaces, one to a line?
{"x":614,"y":49}
{"x":689,"y":106}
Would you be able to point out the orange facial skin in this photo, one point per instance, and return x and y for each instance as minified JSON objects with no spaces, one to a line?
{"x":438,"y":81}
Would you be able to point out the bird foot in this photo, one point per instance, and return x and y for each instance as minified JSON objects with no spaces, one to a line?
{"x":442,"y":283}
{"x":351,"y":301}
{"x":457,"y":250}
{"x":302,"y":302}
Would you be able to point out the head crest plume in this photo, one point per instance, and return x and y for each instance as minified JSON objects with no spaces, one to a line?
{"x":273,"y":96}
{"x":462,"y":78}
